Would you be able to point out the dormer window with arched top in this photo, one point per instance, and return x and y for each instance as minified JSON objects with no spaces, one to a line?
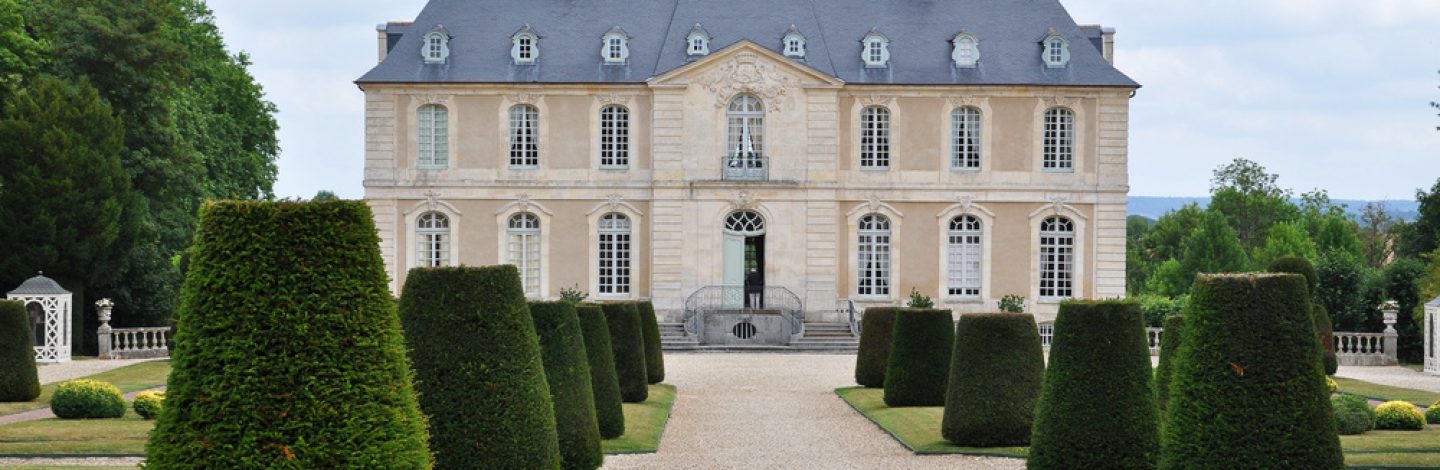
{"x":525,"y":46}
{"x":436,"y":47}
{"x":615,"y":46}
{"x":697,"y":42}
{"x":1057,"y":51}
{"x":966,"y":52}
{"x":793,"y":45}
{"x":875,"y":50}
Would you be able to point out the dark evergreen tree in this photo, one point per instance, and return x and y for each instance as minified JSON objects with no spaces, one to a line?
{"x":919,"y":362}
{"x":567,"y":370}
{"x":19,"y":378}
{"x":654,"y":354}
{"x":995,"y":374}
{"x":876,"y":335}
{"x":1169,"y":343}
{"x":609,"y":411}
{"x":627,"y":341}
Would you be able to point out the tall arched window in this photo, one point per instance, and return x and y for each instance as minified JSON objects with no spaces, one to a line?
{"x":965,"y":135}
{"x":524,"y":136}
{"x":524,"y":234}
{"x":433,"y":137}
{"x":1059,"y":140}
{"x":966,"y":257}
{"x":873,"y":256}
{"x":432,"y":240}
{"x":614,"y":137}
{"x":614,"y":253}
{"x":745,"y":137}
{"x":875,"y":138}
{"x":1057,"y":258}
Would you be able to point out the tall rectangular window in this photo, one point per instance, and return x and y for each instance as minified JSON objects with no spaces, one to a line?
{"x":874,"y":138}
{"x":965,"y":257}
{"x":1059,"y":140}
{"x":873,"y":257}
{"x":614,"y":255}
{"x":524,"y":248}
{"x":1057,"y":258}
{"x":614,"y":137}
{"x":524,"y":136}
{"x":433,"y":137}
{"x":965,"y":135}
{"x":432,"y":240}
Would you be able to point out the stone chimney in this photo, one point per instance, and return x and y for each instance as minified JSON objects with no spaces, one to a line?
{"x":1107,"y":36}
{"x":384,"y":40}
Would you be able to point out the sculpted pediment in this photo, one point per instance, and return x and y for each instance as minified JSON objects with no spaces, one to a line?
{"x":747,"y":68}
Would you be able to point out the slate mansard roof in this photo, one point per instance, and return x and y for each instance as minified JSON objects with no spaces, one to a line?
{"x":1010,"y":33}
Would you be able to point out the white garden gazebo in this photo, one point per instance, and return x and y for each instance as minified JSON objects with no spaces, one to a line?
{"x":1431,"y":332}
{"x":49,"y":307}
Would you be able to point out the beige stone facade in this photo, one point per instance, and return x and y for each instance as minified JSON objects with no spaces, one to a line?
{"x":677,"y":199}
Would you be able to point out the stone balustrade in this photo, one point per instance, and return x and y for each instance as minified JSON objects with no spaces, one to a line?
{"x":135,"y":343}
{"x":1366,"y":349}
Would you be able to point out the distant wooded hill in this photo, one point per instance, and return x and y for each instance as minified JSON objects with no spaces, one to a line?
{"x":1154,"y":207}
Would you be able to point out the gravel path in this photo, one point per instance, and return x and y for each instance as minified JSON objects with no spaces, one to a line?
{"x":131,"y":462}
{"x":51,"y":373}
{"x":776,"y":411}
{"x":1394,"y":376}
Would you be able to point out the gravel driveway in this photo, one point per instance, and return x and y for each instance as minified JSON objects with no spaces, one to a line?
{"x":755,"y":411}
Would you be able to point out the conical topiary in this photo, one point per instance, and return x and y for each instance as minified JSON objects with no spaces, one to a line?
{"x":877,"y":326}
{"x":1097,"y":407}
{"x":995,"y":374}
{"x":478,"y":368}
{"x":919,"y":358}
{"x":628,"y":343}
{"x":1324,"y":330}
{"x":288,"y":352}
{"x":19,"y":378}
{"x":1169,"y":343}
{"x":1247,"y":386}
{"x":654,"y":355}
{"x":609,"y":412}
{"x":567,"y":370}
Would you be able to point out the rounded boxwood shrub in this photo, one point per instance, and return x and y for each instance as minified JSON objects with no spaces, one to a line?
{"x":876,"y":327}
{"x":478,"y":368}
{"x":1097,"y":407}
{"x":87,"y":399}
{"x":1331,"y":386}
{"x":919,"y":358}
{"x":19,"y":378}
{"x":654,"y":355}
{"x":567,"y":370}
{"x":1399,"y":415}
{"x":1169,"y":343}
{"x":288,"y":351}
{"x":1249,"y":351}
{"x":1432,"y":414}
{"x":148,"y":404}
{"x":609,"y":413}
{"x":1352,"y":414}
{"x":995,"y":375}
{"x":627,"y":341}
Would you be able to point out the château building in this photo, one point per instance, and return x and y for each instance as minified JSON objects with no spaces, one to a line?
{"x":840,"y":151}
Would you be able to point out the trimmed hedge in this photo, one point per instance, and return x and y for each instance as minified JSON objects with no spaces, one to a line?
{"x":876,"y":329}
{"x":1097,"y":407}
{"x":919,"y":360}
{"x":627,"y":341}
{"x":148,"y":404}
{"x":654,"y":355}
{"x":478,"y":368}
{"x":1247,"y":386}
{"x":1323,"y":327}
{"x":567,"y":370}
{"x":1352,"y":414}
{"x":1169,"y":343}
{"x":87,"y":399}
{"x":1432,"y":414}
{"x":609,"y":413}
{"x":288,"y":352}
{"x":1400,"y":416}
{"x":995,"y":374}
{"x":19,"y":378}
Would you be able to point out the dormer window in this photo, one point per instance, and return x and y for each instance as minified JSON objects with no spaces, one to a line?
{"x":794,"y":43}
{"x":1057,"y":51}
{"x":615,"y":46}
{"x":967,"y":50}
{"x":436,"y":46}
{"x":525,"y":47}
{"x":876,"y":50}
{"x":698,"y":41}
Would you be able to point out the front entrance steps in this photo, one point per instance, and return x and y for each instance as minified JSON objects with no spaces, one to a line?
{"x":819,"y":338}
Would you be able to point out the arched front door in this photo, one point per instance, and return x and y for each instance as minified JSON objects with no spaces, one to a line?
{"x":744,"y":253}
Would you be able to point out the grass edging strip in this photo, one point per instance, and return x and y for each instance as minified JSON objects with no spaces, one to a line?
{"x":661,"y":398}
{"x":844,"y":396}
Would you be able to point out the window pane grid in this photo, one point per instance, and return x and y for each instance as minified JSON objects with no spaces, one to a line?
{"x":1057,"y":258}
{"x":524,"y":252}
{"x":873,"y":257}
{"x":614,"y":251}
{"x":965,"y":257}
{"x":614,"y":137}
{"x":432,"y":235}
{"x":524,"y":136}
{"x":433,"y":136}
{"x":875,"y":137}
{"x":745,"y":134}
{"x":1059,"y":139}
{"x":965,"y":134}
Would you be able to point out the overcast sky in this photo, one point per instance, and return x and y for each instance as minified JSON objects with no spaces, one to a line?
{"x":1328,"y":94}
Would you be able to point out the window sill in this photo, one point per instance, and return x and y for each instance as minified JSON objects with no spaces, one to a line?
{"x":615,"y":169}
{"x":1059,"y":171}
{"x":875,"y":169}
{"x":1053,"y":300}
{"x":523,"y":168}
{"x":964,"y":300}
{"x":964,"y":170}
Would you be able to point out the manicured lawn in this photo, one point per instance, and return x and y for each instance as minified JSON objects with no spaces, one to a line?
{"x":1385,"y":392}
{"x":644,"y":423}
{"x":918,"y":428}
{"x":124,"y":436}
{"x":129,"y":378}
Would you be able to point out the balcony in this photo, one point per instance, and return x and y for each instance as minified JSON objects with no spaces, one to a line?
{"x":745,"y":167}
